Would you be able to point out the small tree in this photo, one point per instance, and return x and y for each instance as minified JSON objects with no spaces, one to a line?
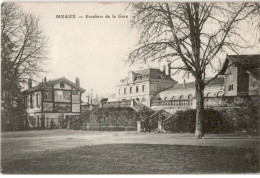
{"x":193,"y":35}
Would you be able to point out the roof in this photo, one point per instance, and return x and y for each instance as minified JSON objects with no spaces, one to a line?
{"x":249,"y":62}
{"x":49,"y":85}
{"x":217,"y":81}
{"x":150,"y":73}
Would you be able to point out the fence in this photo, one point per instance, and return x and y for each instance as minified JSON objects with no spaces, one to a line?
{"x":174,"y":103}
{"x":124,"y":103}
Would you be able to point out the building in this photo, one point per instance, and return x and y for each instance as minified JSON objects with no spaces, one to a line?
{"x":242,"y":75}
{"x":143,"y":85}
{"x":186,"y":91}
{"x":54,"y":100}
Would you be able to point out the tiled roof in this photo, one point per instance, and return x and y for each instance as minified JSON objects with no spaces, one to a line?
{"x":217,"y":81}
{"x":49,"y":84}
{"x":150,"y":73}
{"x":249,"y":62}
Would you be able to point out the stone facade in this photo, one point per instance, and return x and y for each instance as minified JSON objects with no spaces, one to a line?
{"x":143,"y":85}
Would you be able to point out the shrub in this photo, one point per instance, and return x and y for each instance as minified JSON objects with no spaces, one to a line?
{"x":185,"y":121}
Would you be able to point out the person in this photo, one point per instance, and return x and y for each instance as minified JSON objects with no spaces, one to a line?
{"x":52,"y":124}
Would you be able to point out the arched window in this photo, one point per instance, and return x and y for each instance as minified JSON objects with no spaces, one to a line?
{"x":190,"y":97}
{"x":181,"y":97}
{"x":173,"y":98}
{"x":255,"y":83}
{"x":165,"y":98}
{"x":220,"y":93}
{"x":209,"y":94}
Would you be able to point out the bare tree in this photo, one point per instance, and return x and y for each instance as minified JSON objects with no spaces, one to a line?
{"x":193,"y":35}
{"x":23,"y":50}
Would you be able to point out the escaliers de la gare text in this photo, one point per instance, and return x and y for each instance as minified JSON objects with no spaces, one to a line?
{"x":73,"y":16}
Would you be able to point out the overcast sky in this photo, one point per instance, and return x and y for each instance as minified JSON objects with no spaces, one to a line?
{"x":93,"y":49}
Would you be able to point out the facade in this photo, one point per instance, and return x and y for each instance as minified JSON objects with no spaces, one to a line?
{"x":143,"y":85}
{"x":54,"y":100}
{"x":242,"y":75}
{"x":186,"y":91}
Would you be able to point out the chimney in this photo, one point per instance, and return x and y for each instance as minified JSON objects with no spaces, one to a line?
{"x":169,"y":69}
{"x":164,"y":69}
{"x":184,"y":83}
{"x":30,"y":83}
{"x":45,"y":80}
{"x":77,"y":81}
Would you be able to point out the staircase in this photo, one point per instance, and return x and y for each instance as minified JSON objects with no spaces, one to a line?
{"x":156,"y":119}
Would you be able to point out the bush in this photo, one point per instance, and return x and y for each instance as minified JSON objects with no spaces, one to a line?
{"x":185,"y":121}
{"x":112,"y":116}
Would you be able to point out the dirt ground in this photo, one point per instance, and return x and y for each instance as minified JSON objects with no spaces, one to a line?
{"x":15,"y":143}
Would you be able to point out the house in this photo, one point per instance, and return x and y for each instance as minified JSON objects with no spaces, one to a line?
{"x":55,"y":100}
{"x":142,"y":85}
{"x":242,"y":75}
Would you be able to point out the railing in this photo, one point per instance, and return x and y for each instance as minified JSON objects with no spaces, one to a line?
{"x":232,"y":101}
{"x":124,"y":103}
{"x":175,"y":103}
{"x":139,"y":106}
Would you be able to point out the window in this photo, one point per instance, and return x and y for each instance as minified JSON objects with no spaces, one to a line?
{"x":130,"y":90}
{"x":165,"y":98}
{"x":143,"y":88}
{"x":190,"y":97}
{"x":159,"y":87}
{"x":47,"y":96}
{"x":25,"y":101}
{"x":209,"y":94}
{"x":62,"y":85}
{"x":119,"y":91}
{"x":254,"y":83}
{"x":220,"y":93}
{"x":75,"y":92}
{"x":124,"y":90}
{"x":137,"y":89}
{"x":181,"y":97}
{"x":38,"y":100}
{"x":173,"y":98}
{"x":31,"y":100}
{"x":230,"y":87}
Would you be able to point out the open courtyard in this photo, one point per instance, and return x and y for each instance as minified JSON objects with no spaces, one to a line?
{"x":89,"y":152}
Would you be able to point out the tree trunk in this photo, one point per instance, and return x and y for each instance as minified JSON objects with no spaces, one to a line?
{"x":199,"y":108}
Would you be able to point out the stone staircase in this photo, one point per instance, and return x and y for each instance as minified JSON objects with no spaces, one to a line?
{"x":156,"y":119}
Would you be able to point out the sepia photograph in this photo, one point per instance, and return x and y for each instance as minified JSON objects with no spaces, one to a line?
{"x":154,"y":88}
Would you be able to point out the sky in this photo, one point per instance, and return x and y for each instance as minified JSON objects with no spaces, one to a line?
{"x":93,"y":49}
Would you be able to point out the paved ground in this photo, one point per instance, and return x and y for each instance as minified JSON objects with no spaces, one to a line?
{"x":14,"y":143}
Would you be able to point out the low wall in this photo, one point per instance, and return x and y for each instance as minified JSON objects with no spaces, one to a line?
{"x":107,"y":119}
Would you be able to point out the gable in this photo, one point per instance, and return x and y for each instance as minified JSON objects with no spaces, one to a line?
{"x":66,"y":85}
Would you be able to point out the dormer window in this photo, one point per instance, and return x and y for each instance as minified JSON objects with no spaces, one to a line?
{"x":62,"y":85}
